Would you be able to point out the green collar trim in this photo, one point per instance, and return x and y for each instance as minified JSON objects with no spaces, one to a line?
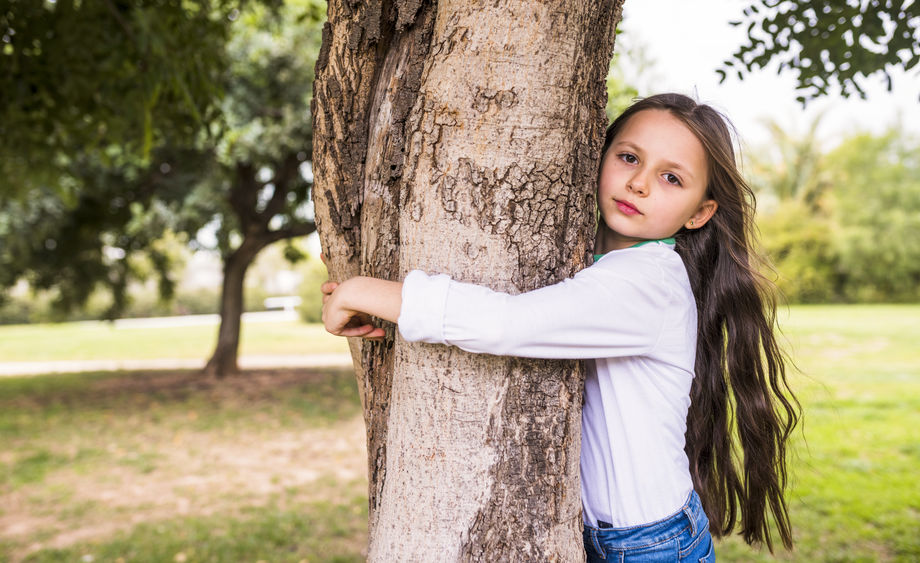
{"x":669,"y":240}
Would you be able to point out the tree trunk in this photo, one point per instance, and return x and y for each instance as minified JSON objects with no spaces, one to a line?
{"x":464,"y":138}
{"x":223,"y":361}
{"x":255,"y":227}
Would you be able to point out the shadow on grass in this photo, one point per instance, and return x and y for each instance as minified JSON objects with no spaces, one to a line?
{"x":322,"y":396}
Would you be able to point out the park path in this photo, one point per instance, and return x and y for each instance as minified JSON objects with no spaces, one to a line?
{"x":245,"y":362}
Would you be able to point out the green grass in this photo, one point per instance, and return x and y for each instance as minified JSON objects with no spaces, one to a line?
{"x":855,"y":482}
{"x":309,"y":532}
{"x":164,"y":466}
{"x":103,"y":341}
{"x":70,"y":440}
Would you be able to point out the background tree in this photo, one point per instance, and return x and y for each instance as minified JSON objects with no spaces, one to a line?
{"x":876,"y":181}
{"x":87,"y":90}
{"x":83,"y":77}
{"x":263,"y":156}
{"x":792,"y":167}
{"x":78,"y":224}
{"x":841,"y":224}
{"x":802,"y":250}
{"x":95,"y":225}
{"x":621,"y":86}
{"x":792,"y":178}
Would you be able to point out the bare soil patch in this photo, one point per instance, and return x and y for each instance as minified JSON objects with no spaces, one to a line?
{"x":145,"y":447}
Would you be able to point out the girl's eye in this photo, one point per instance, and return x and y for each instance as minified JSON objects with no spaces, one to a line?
{"x":628,"y":158}
{"x":672,"y":179}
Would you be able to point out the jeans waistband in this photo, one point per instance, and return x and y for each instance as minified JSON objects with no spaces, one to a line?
{"x":690,"y":515}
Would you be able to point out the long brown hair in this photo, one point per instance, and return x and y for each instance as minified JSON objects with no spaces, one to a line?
{"x":739,"y":396}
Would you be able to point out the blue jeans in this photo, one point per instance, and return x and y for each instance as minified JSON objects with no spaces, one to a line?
{"x":683,"y":536}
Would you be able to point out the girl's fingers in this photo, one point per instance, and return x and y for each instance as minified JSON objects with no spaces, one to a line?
{"x":376,"y":334}
{"x":365,"y":330}
{"x":361,"y":331}
{"x":328,"y":287}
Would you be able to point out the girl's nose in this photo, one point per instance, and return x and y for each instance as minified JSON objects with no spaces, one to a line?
{"x":638,"y":185}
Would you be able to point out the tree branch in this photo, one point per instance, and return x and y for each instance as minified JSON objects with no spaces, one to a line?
{"x":121,"y":21}
{"x":291,"y":231}
{"x":285,"y":174}
{"x":243,"y":196}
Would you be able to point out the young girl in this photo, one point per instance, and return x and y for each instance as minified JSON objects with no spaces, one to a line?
{"x":687,"y":411}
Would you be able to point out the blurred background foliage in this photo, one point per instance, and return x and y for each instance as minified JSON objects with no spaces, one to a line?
{"x":137,"y":134}
{"x":189,"y":117}
{"x":841,"y":224}
{"x":126,"y":123}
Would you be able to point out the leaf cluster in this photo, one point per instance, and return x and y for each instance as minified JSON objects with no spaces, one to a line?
{"x":230,"y":156}
{"x":830,"y":45}
{"x":79,"y":77}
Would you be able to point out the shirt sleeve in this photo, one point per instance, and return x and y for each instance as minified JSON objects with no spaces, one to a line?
{"x":599,"y":313}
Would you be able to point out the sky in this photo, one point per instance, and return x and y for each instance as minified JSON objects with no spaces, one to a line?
{"x":688,"y":40}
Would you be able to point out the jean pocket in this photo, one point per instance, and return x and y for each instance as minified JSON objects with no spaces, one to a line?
{"x":699,"y":548}
{"x":710,"y":556}
{"x":593,"y":550}
{"x":664,"y":552}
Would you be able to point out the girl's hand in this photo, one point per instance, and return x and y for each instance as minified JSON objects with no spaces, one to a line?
{"x":327,"y":288}
{"x":358,"y":325}
{"x":340,"y":318}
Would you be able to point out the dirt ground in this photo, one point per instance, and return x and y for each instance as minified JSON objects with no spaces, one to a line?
{"x":145,"y":465}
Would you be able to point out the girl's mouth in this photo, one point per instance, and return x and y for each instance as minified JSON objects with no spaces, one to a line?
{"x":626,"y":208}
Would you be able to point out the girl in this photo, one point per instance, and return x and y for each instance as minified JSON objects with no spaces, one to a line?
{"x":687,"y":411}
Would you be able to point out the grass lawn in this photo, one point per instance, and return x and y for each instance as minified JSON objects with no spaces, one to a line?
{"x":270,"y":466}
{"x":105,"y":341}
{"x":856,"y":464}
{"x":163,"y":466}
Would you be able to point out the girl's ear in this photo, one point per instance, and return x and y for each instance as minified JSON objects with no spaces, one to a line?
{"x":703,"y":214}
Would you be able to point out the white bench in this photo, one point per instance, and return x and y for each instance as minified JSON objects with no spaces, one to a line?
{"x":285,"y":302}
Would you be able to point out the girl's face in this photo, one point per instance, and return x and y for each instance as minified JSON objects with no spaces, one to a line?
{"x":653,"y":182}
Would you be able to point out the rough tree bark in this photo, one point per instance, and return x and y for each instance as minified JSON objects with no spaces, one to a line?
{"x":463,"y":137}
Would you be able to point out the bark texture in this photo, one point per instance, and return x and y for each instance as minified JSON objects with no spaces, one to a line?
{"x":464,"y":138}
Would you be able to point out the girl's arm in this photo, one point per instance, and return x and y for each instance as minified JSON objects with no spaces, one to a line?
{"x":348,"y":306}
{"x":615,"y":308}
{"x":588,"y":316}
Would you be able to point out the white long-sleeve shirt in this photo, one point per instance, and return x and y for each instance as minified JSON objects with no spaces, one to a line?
{"x":633,"y":314}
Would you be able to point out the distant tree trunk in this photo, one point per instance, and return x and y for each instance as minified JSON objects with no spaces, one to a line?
{"x":224,"y":359}
{"x":464,"y":138}
{"x":257,"y":234}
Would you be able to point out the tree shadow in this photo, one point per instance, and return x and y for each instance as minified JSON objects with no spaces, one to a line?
{"x":327,"y":394}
